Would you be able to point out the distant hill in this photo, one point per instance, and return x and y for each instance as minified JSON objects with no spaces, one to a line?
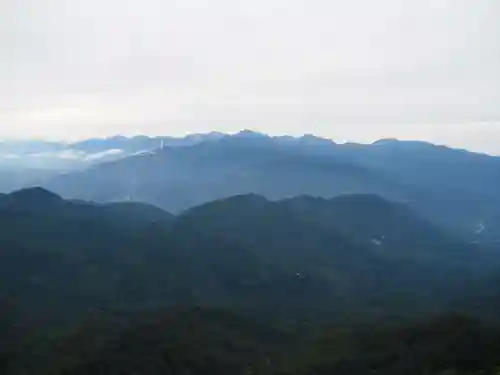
{"x":135,"y":144}
{"x":182,"y":177}
{"x":64,"y":156}
{"x":453,"y":188}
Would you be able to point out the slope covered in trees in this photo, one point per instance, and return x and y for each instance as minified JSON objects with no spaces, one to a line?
{"x":80,"y":276}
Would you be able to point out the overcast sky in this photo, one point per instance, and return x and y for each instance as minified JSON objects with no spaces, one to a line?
{"x":348,"y":70}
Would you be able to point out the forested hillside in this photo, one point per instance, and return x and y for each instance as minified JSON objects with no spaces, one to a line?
{"x":77,"y":277}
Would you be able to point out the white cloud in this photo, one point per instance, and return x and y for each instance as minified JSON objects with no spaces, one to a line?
{"x":104,"y":154}
{"x":57,"y":159}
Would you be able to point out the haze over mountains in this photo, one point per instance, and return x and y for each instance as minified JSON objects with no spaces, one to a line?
{"x":219,"y":253}
{"x":54,"y":155}
{"x":31,"y":162}
{"x":184,"y":245}
{"x":454,"y":188}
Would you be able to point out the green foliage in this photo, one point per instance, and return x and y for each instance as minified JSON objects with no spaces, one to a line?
{"x":195,"y":341}
{"x":77,"y":280}
{"x":450,"y":344}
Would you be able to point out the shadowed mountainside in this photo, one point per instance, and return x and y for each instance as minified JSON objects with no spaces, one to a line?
{"x":454,"y":188}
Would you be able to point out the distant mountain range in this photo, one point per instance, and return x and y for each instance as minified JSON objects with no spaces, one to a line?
{"x":240,"y":254}
{"x":25,"y":163}
{"x":63,"y":155}
{"x":454,"y":188}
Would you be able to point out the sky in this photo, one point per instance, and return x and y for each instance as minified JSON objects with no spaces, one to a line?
{"x":355,"y":70}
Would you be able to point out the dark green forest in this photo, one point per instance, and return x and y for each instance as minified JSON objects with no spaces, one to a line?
{"x":351,"y":285}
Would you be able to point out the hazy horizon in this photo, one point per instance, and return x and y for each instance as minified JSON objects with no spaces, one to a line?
{"x":349,"y":71}
{"x":69,"y":142}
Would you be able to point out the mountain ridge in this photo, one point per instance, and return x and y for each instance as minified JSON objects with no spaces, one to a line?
{"x":453,"y":188}
{"x":78,"y":278}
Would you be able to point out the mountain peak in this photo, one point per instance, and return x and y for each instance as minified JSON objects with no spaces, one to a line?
{"x":386,"y":141}
{"x":34,"y":197}
{"x":404,"y":143}
{"x":312,"y":140}
{"x":246,"y":133}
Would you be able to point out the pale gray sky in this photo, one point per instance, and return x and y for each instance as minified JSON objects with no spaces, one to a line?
{"x":356,"y":70}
